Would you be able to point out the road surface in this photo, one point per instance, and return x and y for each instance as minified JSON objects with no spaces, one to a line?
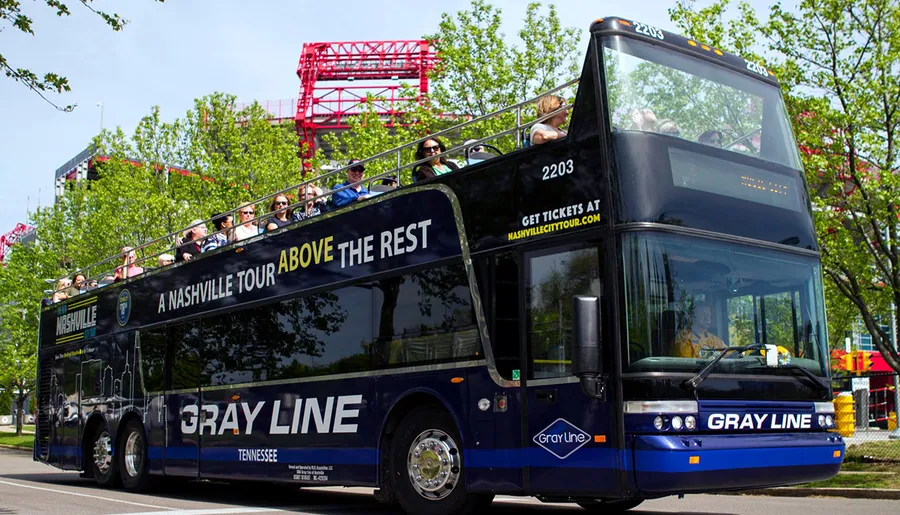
{"x":28,"y":487}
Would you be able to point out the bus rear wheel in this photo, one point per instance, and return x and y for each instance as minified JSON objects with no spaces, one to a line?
{"x":132,"y":457}
{"x":102,"y":459}
{"x":618,"y":506}
{"x":426,"y":460}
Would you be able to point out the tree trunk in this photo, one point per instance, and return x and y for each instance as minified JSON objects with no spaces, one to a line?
{"x":20,"y":411}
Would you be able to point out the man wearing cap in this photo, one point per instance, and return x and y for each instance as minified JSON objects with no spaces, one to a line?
{"x":356,"y":191}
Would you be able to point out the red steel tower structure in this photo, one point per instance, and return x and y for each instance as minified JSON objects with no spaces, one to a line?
{"x":11,"y":238}
{"x":368,"y":64}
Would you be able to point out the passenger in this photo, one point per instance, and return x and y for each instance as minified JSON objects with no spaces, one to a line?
{"x":387,"y":184}
{"x":194,"y":239}
{"x":77,"y":287}
{"x":61,"y":286}
{"x":281,"y":218}
{"x":308,"y":208}
{"x":549,"y":129}
{"x":643,"y":120}
{"x":356,"y":191}
{"x":668,"y":127}
{"x":220,"y":239}
{"x":438,"y":165}
{"x":712,"y":138}
{"x":165,"y":260}
{"x":697,"y":341}
{"x":129,"y":266}
{"x":248,"y":228}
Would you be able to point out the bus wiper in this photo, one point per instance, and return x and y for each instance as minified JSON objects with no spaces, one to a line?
{"x":692,"y":383}
{"x":822,"y":387}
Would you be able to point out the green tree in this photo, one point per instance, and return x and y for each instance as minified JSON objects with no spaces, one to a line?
{"x":21,"y":289}
{"x":11,"y":13}
{"x":479,"y":72}
{"x":836,"y":61}
{"x":166,"y":175}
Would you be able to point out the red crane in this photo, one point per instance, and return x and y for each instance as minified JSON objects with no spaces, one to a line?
{"x":327,"y":107}
{"x":11,"y":238}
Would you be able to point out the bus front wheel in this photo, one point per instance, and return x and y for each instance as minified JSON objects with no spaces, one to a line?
{"x":618,"y":506}
{"x":132,"y":457}
{"x":427,"y":467}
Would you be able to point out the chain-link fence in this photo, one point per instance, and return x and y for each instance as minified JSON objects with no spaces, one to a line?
{"x":866,"y":416}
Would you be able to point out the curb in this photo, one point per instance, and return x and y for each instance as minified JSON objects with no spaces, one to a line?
{"x":15,"y":448}
{"x":849,"y":493}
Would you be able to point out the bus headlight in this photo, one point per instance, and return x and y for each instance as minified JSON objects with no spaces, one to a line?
{"x":690,"y":422}
{"x":659,"y":422}
{"x":829,"y":420}
{"x":677,"y":423}
{"x":822,"y":421}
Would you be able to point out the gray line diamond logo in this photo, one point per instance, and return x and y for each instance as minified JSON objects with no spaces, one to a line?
{"x":561,"y":438}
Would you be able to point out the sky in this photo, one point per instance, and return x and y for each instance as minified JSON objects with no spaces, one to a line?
{"x":171,"y":53}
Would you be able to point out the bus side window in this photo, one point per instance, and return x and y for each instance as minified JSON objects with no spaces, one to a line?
{"x":151,"y":358}
{"x":425,"y":317}
{"x":184,"y":355}
{"x":553,"y":279}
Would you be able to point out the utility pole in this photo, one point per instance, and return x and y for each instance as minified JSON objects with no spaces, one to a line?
{"x":100,"y":105}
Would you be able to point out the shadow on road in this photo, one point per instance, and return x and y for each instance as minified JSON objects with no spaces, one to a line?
{"x":283,"y":497}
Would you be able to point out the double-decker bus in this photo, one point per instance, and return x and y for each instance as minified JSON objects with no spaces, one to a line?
{"x":631,"y":311}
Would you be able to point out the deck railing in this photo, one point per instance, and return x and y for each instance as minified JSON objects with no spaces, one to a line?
{"x":395,"y":172}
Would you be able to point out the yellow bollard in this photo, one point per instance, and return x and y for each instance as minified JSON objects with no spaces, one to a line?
{"x":844,"y":418}
{"x":892,"y":421}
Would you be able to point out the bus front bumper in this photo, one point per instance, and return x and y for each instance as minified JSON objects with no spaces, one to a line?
{"x":672,"y":464}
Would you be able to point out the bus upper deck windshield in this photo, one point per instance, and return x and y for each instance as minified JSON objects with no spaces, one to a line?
{"x":651,"y":88}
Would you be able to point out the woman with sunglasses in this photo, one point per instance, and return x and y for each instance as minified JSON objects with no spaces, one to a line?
{"x":438,"y":165}
{"x":281,"y":218}
{"x":248,"y":228}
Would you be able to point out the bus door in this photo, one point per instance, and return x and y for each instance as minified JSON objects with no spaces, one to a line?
{"x":184,"y":413}
{"x":567,"y":431}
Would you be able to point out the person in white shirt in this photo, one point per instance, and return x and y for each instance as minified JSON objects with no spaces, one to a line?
{"x":549,"y":129}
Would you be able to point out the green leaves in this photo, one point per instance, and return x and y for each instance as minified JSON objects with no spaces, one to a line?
{"x":11,"y":13}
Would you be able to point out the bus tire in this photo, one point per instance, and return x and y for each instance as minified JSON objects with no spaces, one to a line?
{"x":103,"y":461}
{"x":426,"y":460}
{"x":617,"y":506}
{"x":132,"y":457}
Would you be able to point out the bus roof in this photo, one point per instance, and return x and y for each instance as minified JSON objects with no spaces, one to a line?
{"x":656,"y":36}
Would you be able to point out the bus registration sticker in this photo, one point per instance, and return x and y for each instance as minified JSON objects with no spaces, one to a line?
{"x":561,"y":438}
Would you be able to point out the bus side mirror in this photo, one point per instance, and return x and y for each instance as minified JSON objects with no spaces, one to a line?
{"x":587,"y":349}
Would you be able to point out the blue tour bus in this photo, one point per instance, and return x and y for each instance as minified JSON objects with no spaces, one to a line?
{"x":632,"y":311}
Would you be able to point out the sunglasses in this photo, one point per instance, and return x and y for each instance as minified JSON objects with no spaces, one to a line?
{"x":280,"y":202}
{"x":431,"y":149}
{"x":247,"y":212}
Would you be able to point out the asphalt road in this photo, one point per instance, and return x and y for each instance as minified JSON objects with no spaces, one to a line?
{"x":27,"y":487}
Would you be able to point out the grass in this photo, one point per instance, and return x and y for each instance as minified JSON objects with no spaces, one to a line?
{"x":24,"y":441}
{"x":885,"y":450}
{"x":867,"y":465}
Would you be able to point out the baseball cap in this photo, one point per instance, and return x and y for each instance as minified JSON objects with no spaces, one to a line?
{"x":359,"y":168}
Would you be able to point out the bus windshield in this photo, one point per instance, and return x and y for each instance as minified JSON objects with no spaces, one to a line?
{"x":652,"y":89}
{"x":688,"y":298}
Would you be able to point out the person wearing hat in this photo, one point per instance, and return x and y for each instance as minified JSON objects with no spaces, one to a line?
{"x":193,"y":241}
{"x":356,"y":191}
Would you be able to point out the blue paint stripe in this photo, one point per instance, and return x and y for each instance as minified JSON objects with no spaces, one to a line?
{"x":65,"y":451}
{"x":327,"y":456}
{"x":729,"y":459}
{"x":586,"y":457}
{"x":355,"y":456}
